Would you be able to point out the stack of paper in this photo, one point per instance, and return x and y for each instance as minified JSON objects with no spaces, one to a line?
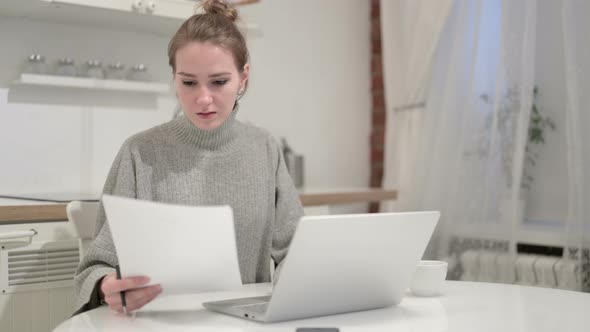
{"x":185,"y":249}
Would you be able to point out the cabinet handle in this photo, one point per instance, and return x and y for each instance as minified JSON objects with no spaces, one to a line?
{"x":16,"y":235}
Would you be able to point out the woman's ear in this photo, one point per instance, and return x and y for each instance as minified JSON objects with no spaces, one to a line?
{"x":245,"y":75}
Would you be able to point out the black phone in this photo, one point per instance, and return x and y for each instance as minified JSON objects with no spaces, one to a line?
{"x":317,"y":329}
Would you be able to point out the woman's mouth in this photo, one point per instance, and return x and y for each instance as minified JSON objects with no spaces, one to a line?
{"x":206,"y":115}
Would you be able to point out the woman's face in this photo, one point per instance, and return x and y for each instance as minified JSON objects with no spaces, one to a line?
{"x":207,"y":83}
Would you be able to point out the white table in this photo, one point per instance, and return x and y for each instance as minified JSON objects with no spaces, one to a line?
{"x":466,"y":306}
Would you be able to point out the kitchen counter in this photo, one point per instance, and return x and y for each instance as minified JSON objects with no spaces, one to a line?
{"x":333,"y":196}
{"x":16,"y":210}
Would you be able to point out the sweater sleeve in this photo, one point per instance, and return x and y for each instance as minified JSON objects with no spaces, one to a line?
{"x":288,"y":211}
{"x":101,"y":258}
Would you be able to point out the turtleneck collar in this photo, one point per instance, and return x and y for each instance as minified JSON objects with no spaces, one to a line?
{"x":214,"y":139}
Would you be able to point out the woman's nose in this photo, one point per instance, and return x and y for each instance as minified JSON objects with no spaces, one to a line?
{"x":204,"y":97}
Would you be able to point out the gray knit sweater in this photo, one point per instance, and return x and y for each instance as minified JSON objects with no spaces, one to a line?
{"x":176,"y":162}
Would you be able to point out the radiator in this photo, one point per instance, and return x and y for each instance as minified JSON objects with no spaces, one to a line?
{"x":522,"y":269}
{"x":36,"y":283}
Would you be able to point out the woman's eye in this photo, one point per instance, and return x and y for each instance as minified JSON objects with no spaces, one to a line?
{"x":220,"y":82}
{"x":188,"y":83}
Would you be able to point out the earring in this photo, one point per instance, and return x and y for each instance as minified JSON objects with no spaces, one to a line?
{"x":240,"y":92}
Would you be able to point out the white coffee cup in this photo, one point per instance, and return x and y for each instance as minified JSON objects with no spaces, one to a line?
{"x":429,"y":278}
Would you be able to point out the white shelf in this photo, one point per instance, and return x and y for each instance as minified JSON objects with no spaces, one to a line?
{"x":93,"y":84}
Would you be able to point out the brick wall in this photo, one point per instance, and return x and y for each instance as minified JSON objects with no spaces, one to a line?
{"x":378,"y":103}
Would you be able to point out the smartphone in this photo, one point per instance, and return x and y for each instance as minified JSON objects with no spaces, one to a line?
{"x":317,"y":329}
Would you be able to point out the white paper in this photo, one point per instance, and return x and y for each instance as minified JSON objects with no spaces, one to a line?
{"x":185,"y":249}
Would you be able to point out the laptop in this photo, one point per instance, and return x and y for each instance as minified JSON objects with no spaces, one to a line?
{"x":341,"y":263}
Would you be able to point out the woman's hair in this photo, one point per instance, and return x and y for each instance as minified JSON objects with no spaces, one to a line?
{"x":216,"y":25}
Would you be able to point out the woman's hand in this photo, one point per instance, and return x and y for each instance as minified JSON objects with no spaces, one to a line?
{"x":136,"y":295}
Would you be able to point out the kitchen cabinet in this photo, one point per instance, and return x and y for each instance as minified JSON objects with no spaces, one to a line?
{"x":159,"y":17}
{"x":180,"y":9}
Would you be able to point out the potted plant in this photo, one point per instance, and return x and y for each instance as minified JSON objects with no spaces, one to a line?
{"x":506,"y":126}
{"x":538,"y":124}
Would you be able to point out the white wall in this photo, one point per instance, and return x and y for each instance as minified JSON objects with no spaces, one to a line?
{"x":547,"y":200}
{"x":310,"y":83}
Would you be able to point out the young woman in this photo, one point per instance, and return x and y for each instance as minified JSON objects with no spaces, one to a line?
{"x":205,"y":157}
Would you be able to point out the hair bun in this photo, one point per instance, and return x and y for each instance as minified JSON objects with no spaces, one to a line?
{"x":220,"y":7}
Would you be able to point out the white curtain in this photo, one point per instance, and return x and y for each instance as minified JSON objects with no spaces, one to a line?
{"x":465,"y":151}
{"x":577,"y":71}
{"x":410,"y":31}
{"x":467,"y":144}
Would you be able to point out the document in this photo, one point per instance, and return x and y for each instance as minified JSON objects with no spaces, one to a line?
{"x":185,"y":249}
